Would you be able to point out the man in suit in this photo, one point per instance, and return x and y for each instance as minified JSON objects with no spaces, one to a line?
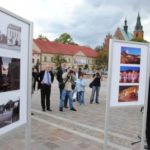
{"x":46,"y":79}
{"x":148,"y":121}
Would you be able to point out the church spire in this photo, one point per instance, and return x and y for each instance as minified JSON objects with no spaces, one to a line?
{"x":125,"y":26}
{"x":138,"y":31}
{"x":138,"y":26}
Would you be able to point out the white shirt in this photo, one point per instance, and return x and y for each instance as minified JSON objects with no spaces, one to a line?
{"x":47,"y":78}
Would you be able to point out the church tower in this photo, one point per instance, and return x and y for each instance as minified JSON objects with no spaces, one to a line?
{"x":125,"y":26}
{"x":138,"y":31}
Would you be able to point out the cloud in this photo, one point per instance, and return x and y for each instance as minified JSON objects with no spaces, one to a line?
{"x":86,"y":21}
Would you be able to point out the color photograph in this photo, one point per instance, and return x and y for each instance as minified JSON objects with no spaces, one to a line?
{"x":9,"y":112}
{"x":129,"y":74}
{"x":9,"y":74}
{"x":128,"y":93}
{"x":130,"y":55}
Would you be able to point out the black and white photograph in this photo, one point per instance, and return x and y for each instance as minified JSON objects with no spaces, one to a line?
{"x":10,"y":36}
{"x":9,"y":112}
{"x":9,"y":74}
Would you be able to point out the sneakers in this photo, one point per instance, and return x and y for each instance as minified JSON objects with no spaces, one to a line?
{"x":97,"y":102}
{"x":73,"y":109}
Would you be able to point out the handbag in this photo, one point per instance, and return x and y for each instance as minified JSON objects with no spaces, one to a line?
{"x":91,"y":85}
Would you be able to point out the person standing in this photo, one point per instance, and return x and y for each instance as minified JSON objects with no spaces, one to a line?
{"x":35,"y":76}
{"x":96,"y":87}
{"x":46,"y":79}
{"x":60,"y":72}
{"x":68,"y":78}
{"x":80,"y":87}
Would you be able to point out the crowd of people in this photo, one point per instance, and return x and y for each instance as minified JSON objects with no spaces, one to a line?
{"x":71,"y":83}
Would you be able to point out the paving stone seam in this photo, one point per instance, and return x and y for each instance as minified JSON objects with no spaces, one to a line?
{"x":117,"y":147}
{"x":84,"y":126}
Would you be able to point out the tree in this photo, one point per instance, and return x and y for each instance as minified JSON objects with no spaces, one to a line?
{"x":86,"y":66}
{"x":58,"y":60}
{"x":102,"y":60}
{"x":65,"y":38}
{"x":98,"y":48}
{"x":42,"y":37}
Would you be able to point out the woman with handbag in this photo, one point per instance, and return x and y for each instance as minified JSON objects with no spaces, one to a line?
{"x":95,"y":84}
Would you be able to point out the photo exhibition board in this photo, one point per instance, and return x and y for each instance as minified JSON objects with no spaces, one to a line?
{"x":14,"y":51}
{"x":128,"y":69}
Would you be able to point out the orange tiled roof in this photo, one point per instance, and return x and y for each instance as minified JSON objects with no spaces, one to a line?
{"x":63,"y":49}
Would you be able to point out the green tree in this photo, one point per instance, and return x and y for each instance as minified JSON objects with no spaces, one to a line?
{"x":65,"y":38}
{"x":42,"y":37}
{"x":98,"y":48}
{"x":86,"y":66}
{"x":58,"y":60}
{"x":102,"y":60}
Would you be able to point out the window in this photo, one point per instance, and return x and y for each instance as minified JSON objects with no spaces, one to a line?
{"x":45,"y":59}
{"x":52,"y":59}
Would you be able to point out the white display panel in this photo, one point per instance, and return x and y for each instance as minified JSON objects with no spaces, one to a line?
{"x":14,"y":70}
{"x":129,"y":64}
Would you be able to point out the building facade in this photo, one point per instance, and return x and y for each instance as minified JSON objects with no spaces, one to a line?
{"x":74,"y":55}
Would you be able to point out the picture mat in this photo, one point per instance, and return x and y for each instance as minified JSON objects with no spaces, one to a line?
{"x":115,"y":73}
{"x":22,"y":54}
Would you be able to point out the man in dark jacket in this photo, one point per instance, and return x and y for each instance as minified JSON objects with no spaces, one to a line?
{"x":46,"y":79}
{"x":60,"y":72}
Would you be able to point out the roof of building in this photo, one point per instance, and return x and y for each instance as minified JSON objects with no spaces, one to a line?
{"x":47,"y":46}
{"x":126,"y":35}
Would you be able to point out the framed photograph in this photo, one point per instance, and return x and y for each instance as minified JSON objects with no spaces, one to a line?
{"x":128,"y":72}
{"x":9,"y":112}
{"x":130,"y":55}
{"x":128,"y":93}
{"x":9,"y":74}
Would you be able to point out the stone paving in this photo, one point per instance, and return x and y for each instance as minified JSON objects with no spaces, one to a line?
{"x":79,"y":130}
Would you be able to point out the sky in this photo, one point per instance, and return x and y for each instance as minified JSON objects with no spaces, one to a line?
{"x":87,"y":21}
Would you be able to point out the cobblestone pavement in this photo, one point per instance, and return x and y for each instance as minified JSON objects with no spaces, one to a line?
{"x":79,"y":130}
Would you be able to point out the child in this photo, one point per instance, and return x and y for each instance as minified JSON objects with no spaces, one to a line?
{"x":80,"y":87}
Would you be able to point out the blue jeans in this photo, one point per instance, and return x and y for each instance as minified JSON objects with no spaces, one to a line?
{"x":63,"y":96}
{"x":95,"y":90}
{"x":81,"y":97}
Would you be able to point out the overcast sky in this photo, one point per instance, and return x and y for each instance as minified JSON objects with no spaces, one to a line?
{"x":87,"y":21}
